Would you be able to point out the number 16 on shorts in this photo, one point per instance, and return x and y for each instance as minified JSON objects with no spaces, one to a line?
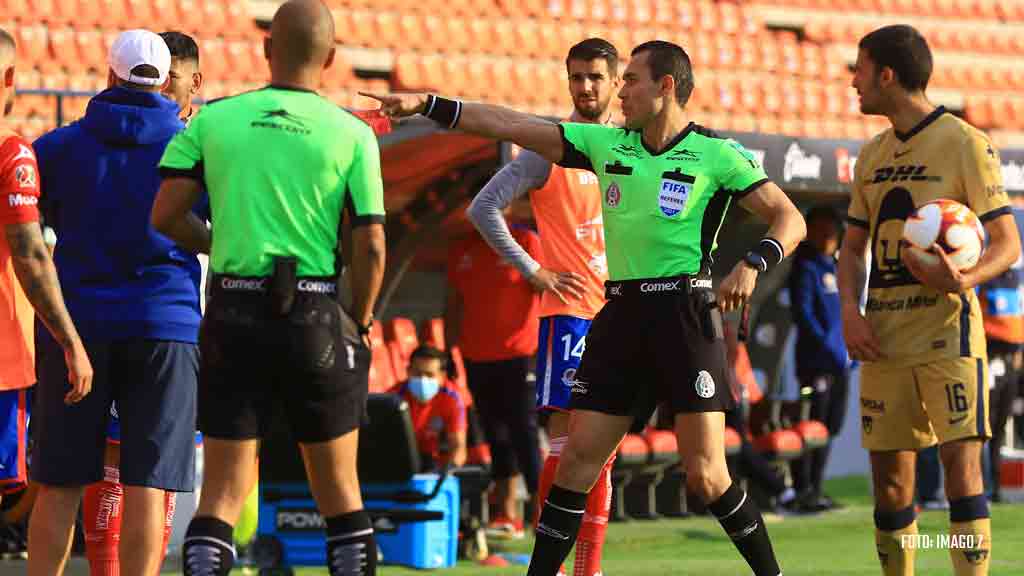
{"x":560,"y":347}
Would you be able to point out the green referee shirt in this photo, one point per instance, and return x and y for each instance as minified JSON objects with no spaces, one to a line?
{"x":662,"y":210}
{"x":279,"y":165}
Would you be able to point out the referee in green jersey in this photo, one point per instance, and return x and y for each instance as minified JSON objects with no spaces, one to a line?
{"x":280,"y":165}
{"x":667,"y":184}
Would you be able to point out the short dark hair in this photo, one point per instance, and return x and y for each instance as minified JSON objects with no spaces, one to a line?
{"x":824,"y":212}
{"x":181,"y":45}
{"x":903,"y":49}
{"x":668,"y":59}
{"x":428,"y":352}
{"x":592,"y":49}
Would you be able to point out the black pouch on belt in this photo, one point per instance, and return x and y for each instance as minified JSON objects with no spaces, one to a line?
{"x":282,"y":284}
{"x":712,"y":319}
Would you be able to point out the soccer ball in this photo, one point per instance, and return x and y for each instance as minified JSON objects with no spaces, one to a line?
{"x":952,"y":226}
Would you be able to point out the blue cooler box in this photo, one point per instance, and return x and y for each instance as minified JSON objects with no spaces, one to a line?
{"x":422,"y":544}
{"x":291,"y":518}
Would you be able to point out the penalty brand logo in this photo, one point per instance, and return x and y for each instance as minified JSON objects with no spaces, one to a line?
{"x":551,"y":532}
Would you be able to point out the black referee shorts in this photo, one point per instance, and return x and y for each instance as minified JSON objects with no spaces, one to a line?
{"x":655,"y":342}
{"x":311,"y":362}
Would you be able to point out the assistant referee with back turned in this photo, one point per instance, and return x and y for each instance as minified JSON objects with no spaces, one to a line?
{"x":280,"y":165}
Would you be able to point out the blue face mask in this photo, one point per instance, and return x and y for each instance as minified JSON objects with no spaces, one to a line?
{"x":424,"y":388}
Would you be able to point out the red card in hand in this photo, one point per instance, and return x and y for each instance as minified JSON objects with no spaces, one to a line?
{"x":380,"y":123}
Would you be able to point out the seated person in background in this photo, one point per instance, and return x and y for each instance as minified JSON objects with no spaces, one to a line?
{"x":438,"y":412}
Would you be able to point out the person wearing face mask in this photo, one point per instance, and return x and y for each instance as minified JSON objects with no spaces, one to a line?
{"x":438,"y":413}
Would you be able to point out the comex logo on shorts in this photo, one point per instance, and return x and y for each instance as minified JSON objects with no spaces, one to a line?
{"x":243,"y":284}
{"x":660,"y":286}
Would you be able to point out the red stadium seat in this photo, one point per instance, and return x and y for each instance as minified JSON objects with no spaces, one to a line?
{"x":813,"y":433}
{"x":432,"y":333}
{"x":662,"y":444}
{"x":779,"y":445}
{"x":633,"y":451}
{"x":402,"y":331}
{"x":733,"y":442}
{"x":382,"y":375}
{"x":399,"y":362}
{"x":459,"y":366}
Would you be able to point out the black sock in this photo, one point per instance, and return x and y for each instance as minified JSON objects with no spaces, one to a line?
{"x":351,"y":549}
{"x":742,"y":521}
{"x":557,"y":530}
{"x":208,"y":549}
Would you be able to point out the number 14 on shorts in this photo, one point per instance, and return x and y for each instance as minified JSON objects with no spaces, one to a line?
{"x":573,"y":351}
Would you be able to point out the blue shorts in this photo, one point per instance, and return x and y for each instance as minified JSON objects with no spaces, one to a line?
{"x":114,"y":428}
{"x":14,"y":412}
{"x":559,"y":349}
{"x":154,"y":385}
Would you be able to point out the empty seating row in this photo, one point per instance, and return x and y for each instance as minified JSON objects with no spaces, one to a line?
{"x":217,"y":17}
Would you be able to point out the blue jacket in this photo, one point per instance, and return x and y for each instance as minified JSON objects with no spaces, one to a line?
{"x":817,"y":313}
{"x":120,"y":278}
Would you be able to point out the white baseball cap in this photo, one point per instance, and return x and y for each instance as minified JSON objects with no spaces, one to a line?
{"x":135,"y":48}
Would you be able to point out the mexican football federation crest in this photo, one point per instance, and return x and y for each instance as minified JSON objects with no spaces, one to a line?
{"x":613,"y":195}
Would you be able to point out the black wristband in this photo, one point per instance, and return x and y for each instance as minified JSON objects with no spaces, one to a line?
{"x":769,"y":251}
{"x":443,"y":111}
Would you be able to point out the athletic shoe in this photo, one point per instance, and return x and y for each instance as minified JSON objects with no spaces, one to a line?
{"x":505,"y":529}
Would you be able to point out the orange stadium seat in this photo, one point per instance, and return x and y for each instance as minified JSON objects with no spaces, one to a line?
{"x":215,"y":17}
{"x":407,"y":73}
{"x":744,"y":123}
{"x":28,"y":78}
{"x":63,"y":51}
{"x":33,"y":48}
{"x":91,"y":51}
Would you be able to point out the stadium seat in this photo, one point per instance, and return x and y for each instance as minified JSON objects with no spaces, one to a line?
{"x":733,"y":442}
{"x":402,"y":331}
{"x":382,"y":375}
{"x":215,"y":17}
{"x":432,"y":333}
{"x":633,"y":454}
{"x":779,"y":445}
{"x":33,"y":46}
{"x":641,"y":493}
{"x":62,"y":51}
{"x":399,"y":363}
{"x":813,"y":433}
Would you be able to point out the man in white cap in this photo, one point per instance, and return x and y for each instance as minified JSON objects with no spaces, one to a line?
{"x":134,"y":295}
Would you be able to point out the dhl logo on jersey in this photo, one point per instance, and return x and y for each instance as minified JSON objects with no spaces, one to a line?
{"x":903,"y":173}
